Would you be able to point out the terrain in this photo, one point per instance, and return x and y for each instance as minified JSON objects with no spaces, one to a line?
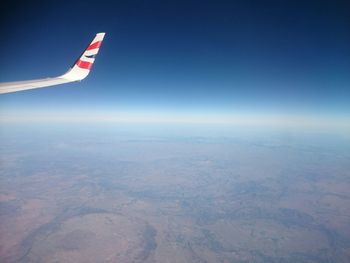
{"x":104,"y":196}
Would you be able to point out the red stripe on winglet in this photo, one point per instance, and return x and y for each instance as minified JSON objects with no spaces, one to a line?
{"x":94,"y":45}
{"x":84,"y":64}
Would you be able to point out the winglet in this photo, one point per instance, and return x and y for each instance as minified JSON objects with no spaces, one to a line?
{"x":83,"y":65}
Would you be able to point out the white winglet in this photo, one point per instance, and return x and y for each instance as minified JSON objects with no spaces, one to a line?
{"x":79,"y":71}
{"x":83,"y":65}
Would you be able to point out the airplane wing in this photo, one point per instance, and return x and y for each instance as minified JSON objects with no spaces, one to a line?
{"x":79,"y":71}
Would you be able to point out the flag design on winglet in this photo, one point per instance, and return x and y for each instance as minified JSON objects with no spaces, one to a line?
{"x":88,"y":57}
{"x":83,"y":65}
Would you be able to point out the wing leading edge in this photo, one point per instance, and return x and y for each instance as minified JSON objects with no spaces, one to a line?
{"x":79,"y":71}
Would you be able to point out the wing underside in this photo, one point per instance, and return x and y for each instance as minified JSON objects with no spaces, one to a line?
{"x":9,"y":87}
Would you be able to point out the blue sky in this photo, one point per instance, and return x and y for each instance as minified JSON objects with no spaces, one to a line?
{"x":181,"y":59}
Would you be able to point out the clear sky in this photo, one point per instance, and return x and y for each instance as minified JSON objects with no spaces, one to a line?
{"x":172,"y":60}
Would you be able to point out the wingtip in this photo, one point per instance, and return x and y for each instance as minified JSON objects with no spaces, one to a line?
{"x":83,"y":65}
